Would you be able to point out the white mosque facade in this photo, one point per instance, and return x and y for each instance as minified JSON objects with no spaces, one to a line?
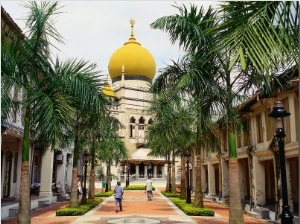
{"x":132,"y":69}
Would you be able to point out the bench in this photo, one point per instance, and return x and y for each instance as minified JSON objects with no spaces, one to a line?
{"x":13,"y":212}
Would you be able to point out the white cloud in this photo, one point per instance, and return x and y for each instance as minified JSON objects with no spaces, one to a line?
{"x":93,"y":30}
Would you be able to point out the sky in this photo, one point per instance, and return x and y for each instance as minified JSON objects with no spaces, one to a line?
{"x":94,"y":30}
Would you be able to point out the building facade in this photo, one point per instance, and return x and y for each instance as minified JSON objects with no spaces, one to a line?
{"x":257,"y":150}
{"x":132,"y":69}
{"x":50,"y":172}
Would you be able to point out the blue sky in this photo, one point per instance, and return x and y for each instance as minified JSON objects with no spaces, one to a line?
{"x":93,"y":30}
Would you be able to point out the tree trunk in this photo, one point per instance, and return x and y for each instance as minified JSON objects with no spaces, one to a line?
{"x":198,"y":199}
{"x":24,"y":200}
{"x":235,"y":211}
{"x":92,"y":184}
{"x":183,"y":180}
{"x":235,"y":206}
{"x":92,"y":173}
{"x":74,"y":194}
{"x":173,"y":175}
{"x":220,"y":175}
{"x":108,"y":177}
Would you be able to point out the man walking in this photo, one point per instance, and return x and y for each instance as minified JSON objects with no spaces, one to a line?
{"x":119,"y":191}
{"x":149,"y":188}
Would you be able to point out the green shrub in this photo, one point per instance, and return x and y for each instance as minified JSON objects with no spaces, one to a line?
{"x":80,"y":210}
{"x":170,"y":194}
{"x":189,"y":209}
{"x":104,"y":194}
{"x":137,"y":187}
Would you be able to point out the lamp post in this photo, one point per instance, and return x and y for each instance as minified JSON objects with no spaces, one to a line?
{"x":169,"y":176}
{"x":279,"y":112}
{"x":127,"y":179}
{"x":86,"y":158}
{"x":188,"y":190}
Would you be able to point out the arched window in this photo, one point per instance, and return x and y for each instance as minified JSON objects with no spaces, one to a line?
{"x":141,"y":120}
{"x":150,"y":121}
{"x":132,"y":126}
{"x":141,"y":130}
{"x":132,"y":120}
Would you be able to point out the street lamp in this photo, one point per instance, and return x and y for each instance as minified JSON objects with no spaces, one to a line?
{"x":188,"y":190}
{"x":279,"y":112}
{"x":169,"y":176}
{"x":127,"y":170}
{"x":86,"y":158}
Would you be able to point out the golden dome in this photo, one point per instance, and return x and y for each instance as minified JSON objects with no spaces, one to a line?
{"x":133,"y":59}
{"x":107,"y":90}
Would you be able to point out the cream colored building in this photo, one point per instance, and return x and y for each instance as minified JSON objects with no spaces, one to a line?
{"x":259,"y":175}
{"x":132,"y":69}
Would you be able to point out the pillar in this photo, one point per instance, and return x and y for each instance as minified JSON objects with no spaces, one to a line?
{"x":155,"y":171}
{"x":46,"y":173}
{"x":289,"y":186}
{"x":258,"y":182}
{"x":137,"y":171}
{"x":69,"y":169}
{"x":211,"y":179}
{"x":225,"y":178}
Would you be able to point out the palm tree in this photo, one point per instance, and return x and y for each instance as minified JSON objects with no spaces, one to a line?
{"x":104,"y":129}
{"x":202,"y":75}
{"x":192,"y":34}
{"x":195,"y":72}
{"x":48,"y":105}
{"x":263,"y":33}
{"x":171,"y":132}
{"x":26,"y":62}
{"x":262,"y":36}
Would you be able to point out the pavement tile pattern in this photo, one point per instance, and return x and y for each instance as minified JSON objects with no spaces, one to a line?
{"x":136,"y":210}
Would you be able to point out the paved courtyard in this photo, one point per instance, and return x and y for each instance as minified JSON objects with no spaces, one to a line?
{"x":136,"y":209}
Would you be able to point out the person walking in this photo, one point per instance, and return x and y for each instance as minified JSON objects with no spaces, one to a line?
{"x":119,"y":191}
{"x":149,"y":188}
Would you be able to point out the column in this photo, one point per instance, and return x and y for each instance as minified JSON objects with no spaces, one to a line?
{"x":292,"y":118}
{"x":163,"y":171}
{"x":61,"y":172}
{"x":258,"y":182}
{"x":46,"y":173}
{"x":137,"y":172}
{"x":225,"y":178}
{"x":69,"y":169}
{"x":17,"y":195}
{"x":211,"y":179}
{"x":155,"y":171}
{"x":288,"y":183}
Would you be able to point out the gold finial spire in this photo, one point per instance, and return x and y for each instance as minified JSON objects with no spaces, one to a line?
{"x":132,"y":22}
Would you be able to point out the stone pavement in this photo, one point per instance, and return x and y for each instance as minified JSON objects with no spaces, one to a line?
{"x":136,"y":209}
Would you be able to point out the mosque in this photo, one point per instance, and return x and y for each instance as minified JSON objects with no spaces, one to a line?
{"x":132,"y":69}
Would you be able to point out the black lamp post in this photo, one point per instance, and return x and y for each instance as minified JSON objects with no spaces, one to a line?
{"x":279,"y":112}
{"x":127,"y":170}
{"x":188,"y":190}
{"x":86,"y":158}
{"x":169,"y":176}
